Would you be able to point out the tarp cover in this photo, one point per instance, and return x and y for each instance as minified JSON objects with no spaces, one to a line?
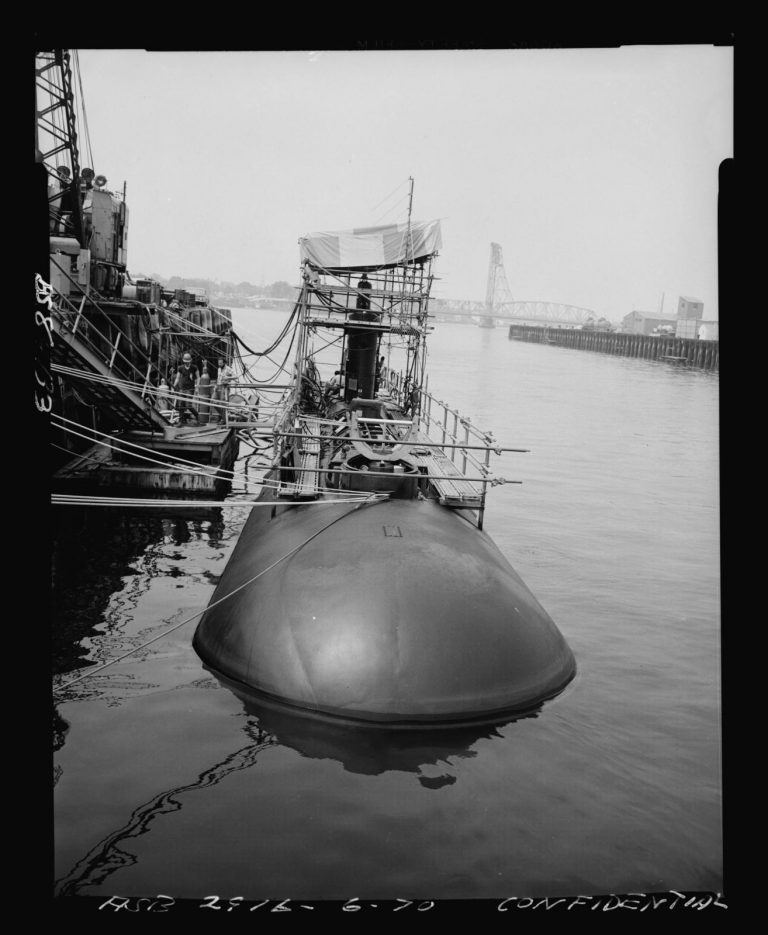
{"x":365,"y":247}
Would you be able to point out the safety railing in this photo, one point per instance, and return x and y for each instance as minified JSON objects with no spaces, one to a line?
{"x":456,"y":433}
{"x":105,"y":347}
{"x":100,"y":335}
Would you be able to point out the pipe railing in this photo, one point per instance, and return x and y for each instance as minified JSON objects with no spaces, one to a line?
{"x":129,"y":369}
{"x":441,"y":420}
{"x":458,"y":434}
{"x":447,"y":421}
{"x":134,"y":372}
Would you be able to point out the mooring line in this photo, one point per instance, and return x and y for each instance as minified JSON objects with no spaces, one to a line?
{"x":176,"y":626}
{"x":156,"y":503}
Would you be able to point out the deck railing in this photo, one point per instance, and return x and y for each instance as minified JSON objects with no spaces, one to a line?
{"x":456,"y":433}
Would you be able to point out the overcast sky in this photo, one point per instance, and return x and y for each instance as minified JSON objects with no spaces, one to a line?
{"x":596,"y":170}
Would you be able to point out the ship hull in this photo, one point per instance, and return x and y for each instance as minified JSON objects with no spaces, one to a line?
{"x":397,"y":612}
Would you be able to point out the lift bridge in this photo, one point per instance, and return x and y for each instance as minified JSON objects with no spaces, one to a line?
{"x":500,"y":306}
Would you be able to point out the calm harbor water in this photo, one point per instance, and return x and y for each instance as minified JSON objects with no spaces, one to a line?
{"x":168,"y":782}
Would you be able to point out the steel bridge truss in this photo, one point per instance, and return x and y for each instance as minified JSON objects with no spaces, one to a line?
{"x":500,"y":306}
{"x":532,"y":311}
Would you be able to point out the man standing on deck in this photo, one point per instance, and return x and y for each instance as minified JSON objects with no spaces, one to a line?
{"x":185,"y":384}
{"x":363,"y":301}
{"x":224,"y":377}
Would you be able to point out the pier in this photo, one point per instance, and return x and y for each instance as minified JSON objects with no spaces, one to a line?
{"x":193,"y":461}
{"x":689,"y":352}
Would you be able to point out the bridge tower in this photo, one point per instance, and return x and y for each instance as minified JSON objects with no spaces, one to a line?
{"x":497,"y":293}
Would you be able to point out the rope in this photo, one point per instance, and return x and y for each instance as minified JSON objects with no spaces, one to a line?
{"x":87,"y":133}
{"x":195,"y":399}
{"x":61,"y":499}
{"x":176,"y":626}
{"x":74,"y":454}
{"x":392,"y":208}
{"x":125,"y":383}
{"x":386,"y":197}
{"x":171,"y":462}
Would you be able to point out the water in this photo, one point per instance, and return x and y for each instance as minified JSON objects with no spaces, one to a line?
{"x":167,"y":782}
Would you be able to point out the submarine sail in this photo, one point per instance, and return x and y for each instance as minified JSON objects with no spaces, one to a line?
{"x":369,"y":590}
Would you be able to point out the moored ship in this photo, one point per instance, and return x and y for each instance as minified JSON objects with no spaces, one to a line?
{"x":111,"y":347}
{"x":365,"y":588}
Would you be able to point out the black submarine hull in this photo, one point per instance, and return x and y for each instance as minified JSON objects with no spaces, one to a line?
{"x":395,"y":612}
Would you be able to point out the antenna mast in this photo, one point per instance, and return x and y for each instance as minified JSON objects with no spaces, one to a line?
{"x":409,"y":240}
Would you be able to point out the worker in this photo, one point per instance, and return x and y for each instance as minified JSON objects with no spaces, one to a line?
{"x":224,"y":378}
{"x":185,"y":384}
{"x":364,"y":301}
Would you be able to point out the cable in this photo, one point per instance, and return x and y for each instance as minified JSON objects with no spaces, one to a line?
{"x":392,"y":208}
{"x":396,"y":188}
{"x":159,"y":392}
{"x":175,"y":462}
{"x":157,"y":504}
{"x":86,"y":132}
{"x":279,"y":338}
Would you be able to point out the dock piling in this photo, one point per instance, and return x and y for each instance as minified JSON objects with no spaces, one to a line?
{"x":693,"y":352}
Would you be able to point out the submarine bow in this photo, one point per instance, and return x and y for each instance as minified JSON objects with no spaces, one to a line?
{"x":397,"y":612}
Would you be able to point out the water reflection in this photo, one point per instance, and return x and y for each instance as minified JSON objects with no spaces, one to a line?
{"x":97,"y":584}
{"x":93,"y":551}
{"x":111,"y":855}
{"x":189,"y":525}
{"x":371,"y":751}
{"x":368,"y":751}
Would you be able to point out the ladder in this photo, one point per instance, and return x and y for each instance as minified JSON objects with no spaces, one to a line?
{"x":307,"y":483}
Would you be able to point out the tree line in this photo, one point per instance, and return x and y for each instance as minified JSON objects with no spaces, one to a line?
{"x":213,"y":287}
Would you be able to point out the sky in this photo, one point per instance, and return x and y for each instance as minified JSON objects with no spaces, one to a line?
{"x":596,"y":170}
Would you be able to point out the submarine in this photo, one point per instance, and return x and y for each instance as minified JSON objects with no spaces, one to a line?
{"x":363,"y":588}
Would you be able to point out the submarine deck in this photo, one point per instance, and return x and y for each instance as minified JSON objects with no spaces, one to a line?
{"x":447,"y":479}
{"x":453,"y":489}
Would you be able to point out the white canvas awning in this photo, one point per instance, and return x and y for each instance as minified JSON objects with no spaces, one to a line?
{"x":366,"y":247}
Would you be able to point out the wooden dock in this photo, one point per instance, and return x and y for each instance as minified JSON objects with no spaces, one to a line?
{"x":196,"y":461}
{"x":690,"y":352}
